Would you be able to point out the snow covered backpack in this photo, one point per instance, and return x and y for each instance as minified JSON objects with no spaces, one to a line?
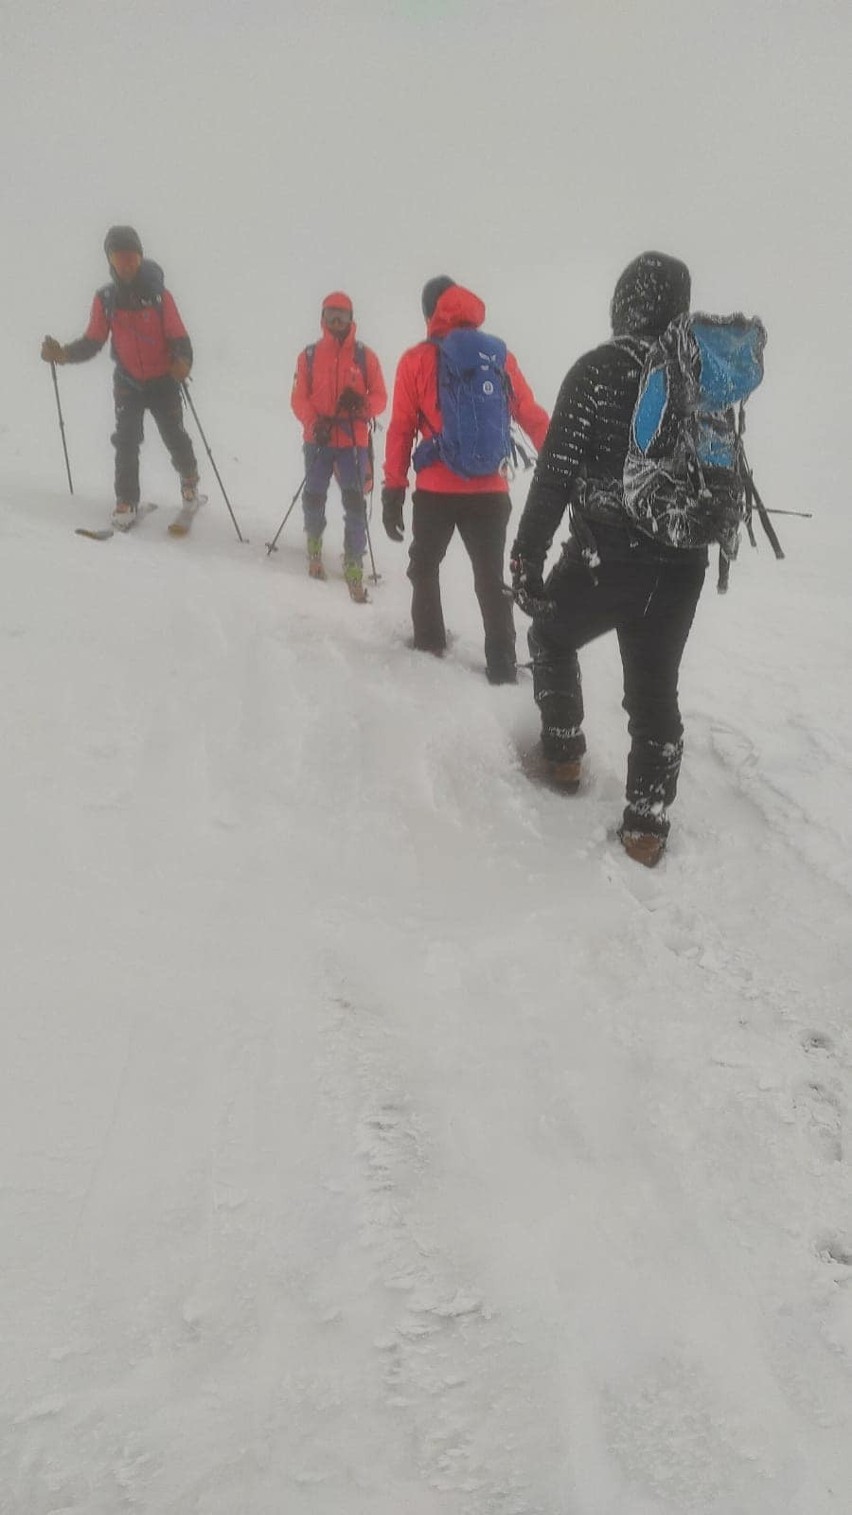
{"x":473,"y":398}
{"x":686,"y":480}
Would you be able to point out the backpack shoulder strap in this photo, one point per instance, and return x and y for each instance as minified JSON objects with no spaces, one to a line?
{"x":310,"y":350}
{"x":361,"y":359}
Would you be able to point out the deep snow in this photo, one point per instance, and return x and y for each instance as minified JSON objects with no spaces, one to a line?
{"x":376,"y":1137}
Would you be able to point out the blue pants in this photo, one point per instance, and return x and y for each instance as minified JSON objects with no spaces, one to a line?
{"x":350,"y":466}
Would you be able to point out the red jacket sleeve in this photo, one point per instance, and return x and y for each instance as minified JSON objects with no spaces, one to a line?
{"x":524,"y":407}
{"x":301,"y":402}
{"x":405,"y":414}
{"x":377,"y":395}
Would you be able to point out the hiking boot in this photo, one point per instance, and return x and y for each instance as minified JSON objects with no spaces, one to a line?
{"x":123,"y":515}
{"x":564,"y":773}
{"x":316,"y":568}
{"x":353,"y":573}
{"x":644,"y":847}
{"x":189,"y":490}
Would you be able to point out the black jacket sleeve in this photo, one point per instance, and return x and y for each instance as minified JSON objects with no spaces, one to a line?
{"x":560,"y":462}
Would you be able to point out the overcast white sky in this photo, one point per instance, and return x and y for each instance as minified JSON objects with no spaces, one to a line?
{"x":269,"y":152}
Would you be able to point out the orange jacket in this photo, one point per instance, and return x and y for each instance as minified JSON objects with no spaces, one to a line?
{"x":319,"y":381}
{"x":415,"y":402}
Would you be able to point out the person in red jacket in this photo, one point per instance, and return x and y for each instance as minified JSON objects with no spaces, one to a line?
{"x":480,"y":507}
{"x":152,"y":355}
{"x":338,"y":390}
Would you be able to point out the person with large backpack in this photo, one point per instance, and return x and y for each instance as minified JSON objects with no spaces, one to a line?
{"x":338,"y":391}
{"x":153,"y":357}
{"x":646,"y":451}
{"x":459,"y":390}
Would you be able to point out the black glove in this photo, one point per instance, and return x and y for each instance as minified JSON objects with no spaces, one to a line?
{"x":322,"y":431}
{"x":528,"y":590}
{"x":350,"y":402}
{"x":53,"y":351}
{"x":392,"y":503}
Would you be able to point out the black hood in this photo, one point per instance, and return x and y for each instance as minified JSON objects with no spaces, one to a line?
{"x":651,"y":292}
{"x":122,"y":239}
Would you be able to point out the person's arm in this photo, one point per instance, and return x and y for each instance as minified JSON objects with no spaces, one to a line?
{"x":82,"y":348}
{"x":560,"y":461}
{"x":524,"y":408}
{"x":402,"y":430}
{"x":177,"y":339}
{"x":301,"y":401}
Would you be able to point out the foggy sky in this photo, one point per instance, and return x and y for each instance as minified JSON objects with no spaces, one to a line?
{"x":270,"y":152}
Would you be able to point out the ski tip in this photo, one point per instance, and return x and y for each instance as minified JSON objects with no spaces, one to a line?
{"x":94,"y":536}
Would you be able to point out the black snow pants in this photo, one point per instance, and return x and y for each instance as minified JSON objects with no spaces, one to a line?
{"x":650,"y":604}
{"x":132,"y":398}
{"x":481,"y":520}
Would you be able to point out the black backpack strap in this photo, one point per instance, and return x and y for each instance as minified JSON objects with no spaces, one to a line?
{"x":361,"y":360}
{"x":309,"y":363}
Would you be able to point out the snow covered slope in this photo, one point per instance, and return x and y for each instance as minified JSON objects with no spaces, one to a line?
{"x":376,"y":1138}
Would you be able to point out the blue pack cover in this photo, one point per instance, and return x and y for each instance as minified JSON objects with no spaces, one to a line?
{"x":473,"y":398}
{"x":682,"y":478}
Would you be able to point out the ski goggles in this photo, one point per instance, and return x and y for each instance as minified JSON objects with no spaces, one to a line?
{"x":336,"y":313}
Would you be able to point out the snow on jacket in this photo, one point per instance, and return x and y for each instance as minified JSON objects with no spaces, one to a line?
{"x":144,"y":323}
{"x":318,"y":385}
{"x":581,"y":465}
{"x":415,"y":403}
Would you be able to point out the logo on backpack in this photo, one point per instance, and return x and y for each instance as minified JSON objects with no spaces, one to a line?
{"x":686,"y":481}
{"x":473,"y":398}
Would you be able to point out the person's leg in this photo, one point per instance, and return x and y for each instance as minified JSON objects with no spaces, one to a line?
{"x":319,"y":463}
{"x":582,"y":611}
{"x":351,"y":471}
{"x":652,"y":645}
{"x":166,"y":406}
{"x":127,"y":439}
{"x":482,"y":522}
{"x":433,"y":520}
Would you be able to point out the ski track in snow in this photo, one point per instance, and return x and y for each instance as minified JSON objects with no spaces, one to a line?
{"x":377,"y":1137}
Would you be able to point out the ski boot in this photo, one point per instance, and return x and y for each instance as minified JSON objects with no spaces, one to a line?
{"x":123,"y":516}
{"x":189,"y":491}
{"x":353,"y":573}
{"x":316,"y":569}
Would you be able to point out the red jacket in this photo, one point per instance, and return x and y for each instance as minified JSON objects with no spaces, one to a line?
{"x":318,"y":385}
{"x":415,"y":401}
{"x":144,"y":341}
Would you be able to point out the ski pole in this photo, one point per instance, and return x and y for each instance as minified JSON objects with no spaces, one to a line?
{"x":61,"y":425}
{"x":763,"y":514}
{"x":270,"y":546}
{"x":804,"y":515}
{"x":188,"y":398}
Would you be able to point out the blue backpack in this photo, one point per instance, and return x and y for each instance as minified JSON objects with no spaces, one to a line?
{"x":473,"y":398}
{"x":686,"y":480}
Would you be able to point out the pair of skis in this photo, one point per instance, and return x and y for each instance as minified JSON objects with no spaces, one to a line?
{"x":179,"y":527}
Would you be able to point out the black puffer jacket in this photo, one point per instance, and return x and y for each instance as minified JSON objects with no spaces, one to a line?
{"x":582,"y":461}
